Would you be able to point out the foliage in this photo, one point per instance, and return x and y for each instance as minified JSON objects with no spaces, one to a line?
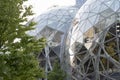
{"x":57,"y":73}
{"x":17,"y":59}
{"x":19,"y":66}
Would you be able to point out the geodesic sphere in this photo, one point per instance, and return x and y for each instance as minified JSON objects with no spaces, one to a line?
{"x":57,"y":19}
{"x":92,"y":19}
{"x":94,"y":41}
{"x":53,"y":25}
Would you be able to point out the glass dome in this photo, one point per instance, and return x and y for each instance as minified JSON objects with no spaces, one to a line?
{"x":93,"y":42}
{"x":57,"y":18}
{"x":53,"y":25}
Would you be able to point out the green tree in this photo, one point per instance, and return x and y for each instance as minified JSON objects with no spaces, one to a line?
{"x":17,"y":59}
{"x":57,"y":73}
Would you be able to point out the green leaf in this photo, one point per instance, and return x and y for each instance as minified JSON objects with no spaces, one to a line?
{"x":18,"y":59}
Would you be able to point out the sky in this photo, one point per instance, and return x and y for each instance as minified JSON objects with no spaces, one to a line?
{"x":40,"y":6}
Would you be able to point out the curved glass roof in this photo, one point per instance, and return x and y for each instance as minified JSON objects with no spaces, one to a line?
{"x":93,"y":42}
{"x":93,"y":17}
{"x":58,"y":18}
{"x":53,"y":25}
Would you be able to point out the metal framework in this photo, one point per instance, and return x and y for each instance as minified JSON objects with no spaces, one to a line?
{"x":53,"y":25}
{"x":93,"y":42}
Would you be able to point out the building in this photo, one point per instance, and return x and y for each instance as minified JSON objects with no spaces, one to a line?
{"x":54,"y":25}
{"x":93,"y":42}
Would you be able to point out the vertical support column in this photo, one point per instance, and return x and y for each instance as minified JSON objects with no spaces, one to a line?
{"x":46,"y":61}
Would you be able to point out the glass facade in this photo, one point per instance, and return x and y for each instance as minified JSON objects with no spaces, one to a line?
{"x":93,"y":41}
{"x":53,"y":25}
